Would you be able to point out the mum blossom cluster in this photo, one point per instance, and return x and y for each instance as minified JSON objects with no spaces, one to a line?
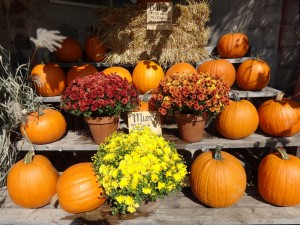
{"x":202,"y":94}
{"x":100,"y":95}
{"x":137,"y":166}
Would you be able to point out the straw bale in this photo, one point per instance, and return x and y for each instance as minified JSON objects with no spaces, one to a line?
{"x":124,"y":30}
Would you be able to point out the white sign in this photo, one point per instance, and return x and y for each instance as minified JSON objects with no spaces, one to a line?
{"x":159,"y":15}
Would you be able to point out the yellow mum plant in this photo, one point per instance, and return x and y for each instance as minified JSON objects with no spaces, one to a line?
{"x":135,"y":167}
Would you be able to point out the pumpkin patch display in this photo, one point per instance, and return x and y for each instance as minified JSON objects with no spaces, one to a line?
{"x":253,"y":75}
{"x":31,"y":182}
{"x":95,"y":49}
{"x":279,"y":178}
{"x":279,"y":117}
{"x":233,"y":45}
{"x":221,"y":67}
{"x":44,"y":126}
{"x":80,"y":71}
{"x":70,"y":51}
{"x":181,"y":67}
{"x":120,"y":71}
{"x":146,"y":75}
{"x":217,"y":178}
{"x":78,"y":189}
{"x":48,"y":79}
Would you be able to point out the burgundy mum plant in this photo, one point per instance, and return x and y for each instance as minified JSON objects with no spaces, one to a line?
{"x":100,"y":95}
{"x":202,"y":94}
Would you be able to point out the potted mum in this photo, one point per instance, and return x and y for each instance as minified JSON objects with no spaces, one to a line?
{"x":136,"y":168}
{"x":193,"y":99}
{"x":101,"y":99}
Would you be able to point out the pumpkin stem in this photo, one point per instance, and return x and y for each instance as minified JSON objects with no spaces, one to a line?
{"x":236,"y":97}
{"x":283,"y":153}
{"x":40,"y":111}
{"x":28,"y":157}
{"x":217,"y":152}
{"x":146,"y":96}
{"x":279,"y":97}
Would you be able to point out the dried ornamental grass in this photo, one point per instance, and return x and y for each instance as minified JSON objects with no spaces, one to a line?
{"x":124,"y":31}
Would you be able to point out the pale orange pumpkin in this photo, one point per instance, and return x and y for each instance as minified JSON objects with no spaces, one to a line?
{"x":70,"y":51}
{"x":78,"y":189}
{"x":95,"y":49}
{"x":80,"y":71}
{"x":120,"y":71}
{"x":233,"y":45}
{"x":44,"y":126}
{"x":181,"y":67}
{"x":31,"y":182}
{"x":49,"y":79}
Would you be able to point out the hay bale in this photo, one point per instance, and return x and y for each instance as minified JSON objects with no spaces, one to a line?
{"x":124,"y":30}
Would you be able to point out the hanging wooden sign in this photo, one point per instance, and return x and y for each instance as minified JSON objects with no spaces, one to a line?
{"x":159,"y":15}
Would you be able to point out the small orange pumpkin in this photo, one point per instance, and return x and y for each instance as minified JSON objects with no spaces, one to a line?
{"x":44,"y":126}
{"x":279,"y":178}
{"x":80,"y":71}
{"x":253,"y":75}
{"x":31,"y":182}
{"x":48,"y":79}
{"x":221,"y":67}
{"x":181,"y":67}
{"x":120,"y":71}
{"x":217,"y":178}
{"x":233,"y":45}
{"x":78,"y":189}
{"x":70,"y":51}
{"x":95,"y":49}
{"x":279,"y":117}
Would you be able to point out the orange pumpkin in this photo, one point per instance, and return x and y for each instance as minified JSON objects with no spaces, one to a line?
{"x":233,"y":45}
{"x":31,"y":182}
{"x":70,"y":51}
{"x":181,"y":67}
{"x":44,"y":126}
{"x":78,"y":189}
{"x":95,"y":49}
{"x":121,"y":71}
{"x":48,"y":79}
{"x":279,"y":178}
{"x":146,"y":75}
{"x":253,"y":75}
{"x":80,"y":71}
{"x":217,"y":178}
{"x":238,"y":120}
{"x":221,"y":67}
{"x":279,"y":117}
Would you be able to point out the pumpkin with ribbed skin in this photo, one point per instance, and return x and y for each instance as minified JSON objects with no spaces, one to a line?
{"x":279,"y":178}
{"x":279,"y":117}
{"x":221,"y":67}
{"x":238,"y":120}
{"x":253,"y":75}
{"x":44,"y":126}
{"x":181,"y":67}
{"x":78,"y":189}
{"x":146,"y":75}
{"x":70,"y":51}
{"x":233,"y":45}
{"x":80,"y":71}
{"x":49,"y":79}
{"x":95,"y":49}
{"x":217,"y":178}
{"x":31,"y":182}
{"x":120,"y":71}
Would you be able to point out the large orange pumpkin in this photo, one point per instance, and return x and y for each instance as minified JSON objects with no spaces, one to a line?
{"x":78,"y":189}
{"x":217,"y":178}
{"x":31,"y":182}
{"x":44,"y":126}
{"x":181,"y":67}
{"x":118,"y":70}
{"x":80,"y":71}
{"x":220,"y":67}
{"x":146,"y":75}
{"x":279,"y":117}
{"x":48,"y":79}
{"x":238,"y":120}
{"x":70,"y":51}
{"x":279,"y":178}
{"x":233,"y":45}
{"x":95,"y":49}
{"x":253,"y":75}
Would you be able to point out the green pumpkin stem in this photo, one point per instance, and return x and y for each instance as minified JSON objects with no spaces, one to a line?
{"x":40,"y":112}
{"x":283,"y":153}
{"x":28,"y":157}
{"x":236,"y":97}
{"x":217,"y":152}
{"x":279,"y":97}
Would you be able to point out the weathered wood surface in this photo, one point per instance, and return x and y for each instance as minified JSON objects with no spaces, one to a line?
{"x":178,"y":208}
